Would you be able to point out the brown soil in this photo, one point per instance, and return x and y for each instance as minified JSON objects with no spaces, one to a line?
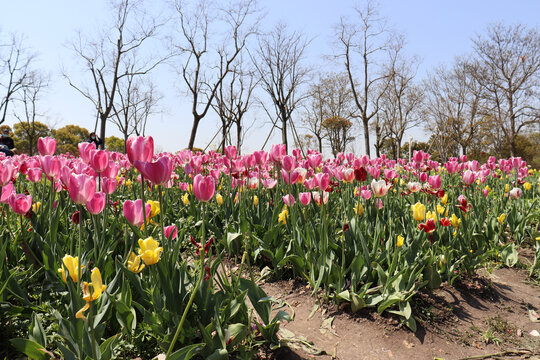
{"x":480,"y":316}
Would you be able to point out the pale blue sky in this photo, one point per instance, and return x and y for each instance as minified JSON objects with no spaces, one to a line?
{"x":436,"y":31}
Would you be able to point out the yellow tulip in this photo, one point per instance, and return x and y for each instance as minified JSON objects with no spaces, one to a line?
{"x":155,"y":208}
{"x":455,"y":221}
{"x":97,"y":288}
{"x":185,"y":199}
{"x":255,"y":200}
{"x":36,"y":206}
{"x":134,"y":263}
{"x":400,"y":240}
{"x":149,"y":250}
{"x":501,"y":218}
{"x":487,"y":188}
{"x":440,"y":209}
{"x":419,"y":211}
{"x":359,"y":209}
{"x":507,"y":188}
{"x":128,"y":183}
{"x":527,"y":186}
{"x":283,"y":215}
{"x":431,"y":215}
{"x":70,"y":263}
{"x":219,"y":199}
{"x":444,"y":199}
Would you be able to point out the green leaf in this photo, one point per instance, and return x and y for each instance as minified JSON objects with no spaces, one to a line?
{"x":186,"y":353}
{"x":509,"y":255}
{"x":255,"y":294}
{"x":37,"y":333}
{"x":31,"y":349}
{"x":107,"y":347}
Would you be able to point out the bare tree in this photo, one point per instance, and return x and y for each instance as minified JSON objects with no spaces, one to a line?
{"x":15,"y":72}
{"x":337,"y":131}
{"x":361,"y":42}
{"x":453,"y":104}
{"x":29,"y":96}
{"x":278,"y":61}
{"x":199,"y":55}
{"x":508,"y":59}
{"x":401,"y":101}
{"x":233,"y":99}
{"x":330,"y":97}
{"x":112,"y":57}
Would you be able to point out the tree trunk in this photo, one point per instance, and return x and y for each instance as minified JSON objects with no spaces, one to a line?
{"x":366,"y":136}
{"x":102,"y":130}
{"x":223,"y":135}
{"x":125,"y":143}
{"x":196,"y":121}
{"x":320,"y":143}
{"x":238,"y":137}
{"x":284,"y":135}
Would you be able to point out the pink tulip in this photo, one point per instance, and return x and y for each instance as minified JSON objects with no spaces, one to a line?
{"x":305,"y":198}
{"x":260,"y":157}
{"x":20,"y":203}
{"x":108,"y":185}
{"x":269,"y":183}
{"x":51,"y":166}
{"x":414,"y":186}
{"x":288,"y":163}
{"x":84,"y":150}
{"x":230,"y":152}
{"x":314,"y":161}
{"x":158,"y":172}
{"x":203,"y":187}
{"x":322,"y":180}
{"x":309,"y":184}
{"x":348,"y":175}
{"x":435,"y":181}
{"x":111,"y":171}
{"x":379,"y":204}
{"x":6,"y":172}
{"x":34,"y":174}
{"x":46,"y":146}
{"x":171,"y":232}
{"x":485,"y":192}
{"x":277,"y":152}
{"x":252,"y":183}
{"x":468,"y":177}
{"x":140,"y":148}
{"x":317,"y":197}
{"x":379,"y":188}
{"x":8,"y":191}
{"x":366,"y":194}
{"x":133,"y":211}
{"x":96,"y":204}
{"x":423,"y":177}
{"x":99,"y":160}
{"x":81,"y":188}
{"x":463,"y":158}
{"x":288,"y":200}
{"x":452,"y":167}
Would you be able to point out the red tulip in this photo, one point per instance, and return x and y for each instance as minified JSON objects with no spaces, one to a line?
{"x":46,"y":146}
{"x":203,"y":187}
{"x":140,"y":148}
{"x":96,"y":204}
{"x":20,"y":203}
{"x":81,"y":188}
{"x":133,"y":211}
{"x":76,"y":217}
{"x":429,"y":226}
{"x":158,"y":172}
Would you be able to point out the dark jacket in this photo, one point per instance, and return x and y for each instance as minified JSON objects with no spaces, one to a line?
{"x":7,"y":141}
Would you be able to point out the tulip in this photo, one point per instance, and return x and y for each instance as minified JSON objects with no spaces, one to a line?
{"x":20,"y":203}
{"x":288,"y":200}
{"x":133,"y":211}
{"x":400,"y":241}
{"x":171,"y":232}
{"x":366,"y":194}
{"x":322,"y":180}
{"x":71,"y":264}
{"x":255,"y":200}
{"x":150,"y":250}
{"x":99,"y":160}
{"x":317,"y":197}
{"x":34,"y":174}
{"x":185,"y":199}
{"x":419,"y":211}
{"x":96,"y":204}
{"x":468,"y":177}
{"x":445,"y":222}
{"x":158,"y":172}
{"x":140,"y":148}
{"x":219,"y":199}
{"x":108,"y":185}
{"x":501,"y":218}
{"x":81,"y":188}
{"x":230,"y":152}
{"x":134,"y":263}
{"x":76,"y":217}
{"x":515,"y":193}
{"x":455,"y":220}
{"x":277,"y":152}
{"x":154,"y":208}
{"x":203,"y":187}
{"x":283,"y":215}
{"x":305,"y":198}
{"x":97,"y":289}
{"x":51,"y":166}
{"x":379,"y":188}
{"x":359,"y":209}
{"x":6,"y":172}
{"x":46,"y":146}
{"x":435,"y":181}
{"x":84,"y":150}
{"x":7,"y":192}
{"x":429,"y":226}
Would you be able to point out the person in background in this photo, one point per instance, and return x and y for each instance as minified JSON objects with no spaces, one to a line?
{"x":95,"y":139}
{"x":7,"y":146}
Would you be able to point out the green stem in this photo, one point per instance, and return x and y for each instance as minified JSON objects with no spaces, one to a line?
{"x":79,"y":243}
{"x":195,"y":289}
{"x":92,"y":335}
{"x":144,"y":207}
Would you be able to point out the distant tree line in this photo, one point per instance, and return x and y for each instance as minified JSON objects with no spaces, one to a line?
{"x":483,"y":103}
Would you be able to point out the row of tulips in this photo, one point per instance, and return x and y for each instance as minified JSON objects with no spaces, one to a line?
{"x":157,"y":236}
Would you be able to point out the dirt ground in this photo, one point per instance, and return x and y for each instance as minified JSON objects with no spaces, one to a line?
{"x":482,"y":318}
